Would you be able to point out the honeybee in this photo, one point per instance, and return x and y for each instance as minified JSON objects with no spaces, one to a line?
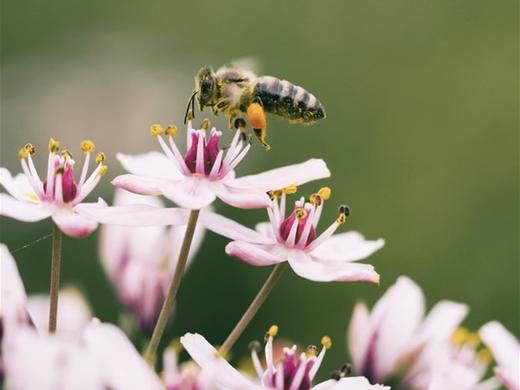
{"x":236,"y":92}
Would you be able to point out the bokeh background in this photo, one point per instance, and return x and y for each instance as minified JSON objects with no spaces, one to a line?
{"x":421,"y":136}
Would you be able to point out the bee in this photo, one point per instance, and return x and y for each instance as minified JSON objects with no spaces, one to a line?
{"x":236,"y":93}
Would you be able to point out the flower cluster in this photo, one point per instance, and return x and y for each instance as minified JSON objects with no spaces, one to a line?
{"x":54,"y":342}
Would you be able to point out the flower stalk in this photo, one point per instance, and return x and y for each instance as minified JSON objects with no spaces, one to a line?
{"x":55,"y":277}
{"x":151,"y":350}
{"x":253,"y":308}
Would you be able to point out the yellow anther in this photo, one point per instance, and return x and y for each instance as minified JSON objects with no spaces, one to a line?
{"x":255,"y":346}
{"x":206,"y":124}
{"x":326,"y":342}
{"x":102,"y":170}
{"x":342,"y":218}
{"x":460,"y":336}
{"x":324,"y":192}
{"x":473,"y":340}
{"x":66,"y":154}
{"x":23,"y":154}
{"x":54,"y":145}
{"x":171,"y":131}
{"x":292,"y":189}
{"x":87,"y":146}
{"x":344,"y":212}
{"x":485,"y":356}
{"x":300,"y":213}
{"x":271,"y":332}
{"x":30,"y":148}
{"x":100,"y":157}
{"x":311,"y":350}
{"x":156,"y":130}
{"x":176,"y":345}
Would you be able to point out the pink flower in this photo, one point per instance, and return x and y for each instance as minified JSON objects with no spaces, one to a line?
{"x":395,"y":341}
{"x":184,"y":376}
{"x":206,"y":172}
{"x":294,"y":372}
{"x":141,"y":260}
{"x":58,"y":196}
{"x":506,"y":352}
{"x":81,"y":355}
{"x":293,"y":238}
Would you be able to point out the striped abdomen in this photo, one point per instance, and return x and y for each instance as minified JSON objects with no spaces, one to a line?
{"x":290,"y":101}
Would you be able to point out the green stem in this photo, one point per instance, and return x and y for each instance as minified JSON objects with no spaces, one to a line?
{"x":253,"y":308}
{"x":55,"y":277}
{"x":151,"y":350}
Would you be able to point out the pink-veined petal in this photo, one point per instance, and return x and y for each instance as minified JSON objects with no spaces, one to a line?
{"x":141,"y":184}
{"x":224,"y":375}
{"x":73,"y":223}
{"x":23,"y":211}
{"x":152,"y":164}
{"x":243,"y":199}
{"x":348,"y":246}
{"x":309,"y":268}
{"x":253,"y":253}
{"x":192,"y":193}
{"x":228,"y":228}
{"x":14,"y":299}
{"x":392,"y":325}
{"x":18,"y":186}
{"x":358,"y":334}
{"x":135,"y":215}
{"x":278,"y":178}
{"x":352,"y":383}
{"x":266,"y":230}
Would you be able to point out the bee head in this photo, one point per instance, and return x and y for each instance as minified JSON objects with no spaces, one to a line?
{"x":206,"y":84}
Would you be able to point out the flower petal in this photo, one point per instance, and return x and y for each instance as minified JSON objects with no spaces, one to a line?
{"x":279,"y":178}
{"x":243,"y":199}
{"x":152,"y":164}
{"x":313,"y":269}
{"x":228,"y":228}
{"x":23,"y":211}
{"x":358,"y":334}
{"x":352,"y":383}
{"x":73,"y":223}
{"x":14,"y":299}
{"x":142,"y":184}
{"x":254,"y":254}
{"x":191,"y":192}
{"x":19,"y":187}
{"x":224,"y":375}
{"x":349,"y":246}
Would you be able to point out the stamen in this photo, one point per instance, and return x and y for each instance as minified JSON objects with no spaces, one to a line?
{"x":66,"y":154}
{"x":87,"y":146}
{"x":205,"y":125}
{"x":54,"y":145}
{"x":344,"y":212}
{"x":485,"y":356}
{"x":100,"y":157}
{"x":326,"y":342}
{"x":171,"y":131}
{"x":343,"y":371}
{"x":23,"y":154}
{"x":156,"y":130}
{"x":473,"y":340}
{"x":271,"y":332}
{"x":300,"y":213}
{"x":102,"y":170}
{"x":254,"y":347}
{"x":311,"y":350}
{"x":324,"y":192}
{"x":460,"y":336}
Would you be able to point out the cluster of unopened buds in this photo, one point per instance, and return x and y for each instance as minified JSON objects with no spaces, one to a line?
{"x":54,"y":343}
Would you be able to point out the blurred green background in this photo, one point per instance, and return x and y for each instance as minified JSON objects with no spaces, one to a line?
{"x":421,"y":136}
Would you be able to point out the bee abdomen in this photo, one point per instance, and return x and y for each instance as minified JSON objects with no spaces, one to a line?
{"x":290,"y":101}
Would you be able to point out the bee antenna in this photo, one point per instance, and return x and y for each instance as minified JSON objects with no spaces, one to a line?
{"x":191,"y":104}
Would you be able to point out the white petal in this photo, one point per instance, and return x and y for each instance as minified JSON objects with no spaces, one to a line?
{"x":23,"y":211}
{"x":279,"y":178}
{"x":121,"y":366}
{"x":265,"y":229}
{"x":19,"y":187}
{"x":142,"y":184}
{"x":243,"y":199}
{"x":352,"y":383}
{"x":191,"y":193}
{"x":12,"y":308}
{"x":313,"y":269}
{"x":441,"y":321}
{"x":254,"y":254}
{"x":73,"y":311}
{"x":224,"y":375}
{"x":393,"y":322}
{"x":152,"y":164}
{"x":73,"y":223}
{"x":349,"y":246}
{"x":358,"y":334}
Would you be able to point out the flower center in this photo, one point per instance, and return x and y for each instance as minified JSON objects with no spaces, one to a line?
{"x":210,"y":150}
{"x":299,"y":216}
{"x":64,"y":170}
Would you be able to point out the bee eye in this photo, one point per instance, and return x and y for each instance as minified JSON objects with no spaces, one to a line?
{"x":206,"y":86}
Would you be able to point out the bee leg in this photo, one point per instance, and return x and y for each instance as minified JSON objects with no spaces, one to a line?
{"x":190,"y":108}
{"x":257,"y":120}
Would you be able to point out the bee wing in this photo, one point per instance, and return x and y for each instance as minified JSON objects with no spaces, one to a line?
{"x":247,"y":63}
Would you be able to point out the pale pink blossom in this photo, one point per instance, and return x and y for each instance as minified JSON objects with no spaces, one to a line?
{"x":396,"y":341}
{"x":206,"y":171}
{"x":506,"y":352}
{"x":57,"y":195}
{"x":293,"y":238}
{"x":90,"y":356}
{"x":140,"y":261}
{"x":296,"y":371}
{"x":183,"y":376}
